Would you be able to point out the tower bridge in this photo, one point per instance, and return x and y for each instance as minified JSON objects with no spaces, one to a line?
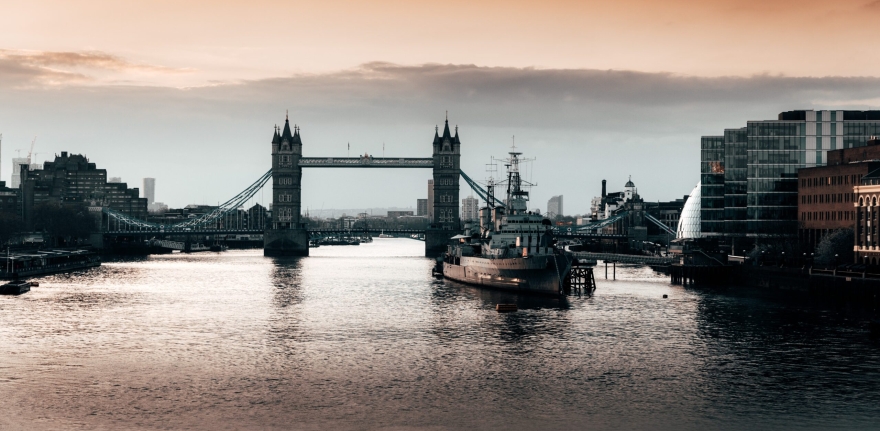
{"x":288,"y":236}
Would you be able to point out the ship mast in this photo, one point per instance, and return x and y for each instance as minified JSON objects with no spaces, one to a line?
{"x":517,"y":198}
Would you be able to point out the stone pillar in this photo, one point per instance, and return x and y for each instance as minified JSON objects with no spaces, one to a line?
{"x":286,"y":235}
{"x":446,"y":222}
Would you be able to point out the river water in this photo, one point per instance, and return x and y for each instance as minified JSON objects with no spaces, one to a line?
{"x":364,"y":338}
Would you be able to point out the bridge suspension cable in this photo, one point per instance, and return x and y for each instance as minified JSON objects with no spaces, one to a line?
{"x":482,"y":193}
{"x":231,"y":205}
{"x":660,"y":224}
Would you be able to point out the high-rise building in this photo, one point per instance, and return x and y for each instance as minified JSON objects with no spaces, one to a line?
{"x":430,"y":199}
{"x":470,"y":209}
{"x":422,"y":207}
{"x":761,"y":162}
{"x":150,"y":190}
{"x":554,"y":207}
{"x":15,"y":181}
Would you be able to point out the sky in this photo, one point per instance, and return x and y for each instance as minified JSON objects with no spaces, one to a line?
{"x":188,"y":92}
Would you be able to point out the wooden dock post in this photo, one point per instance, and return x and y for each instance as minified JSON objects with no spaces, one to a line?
{"x":580,"y":279}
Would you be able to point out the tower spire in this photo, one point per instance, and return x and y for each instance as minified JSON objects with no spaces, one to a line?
{"x":286,"y":134}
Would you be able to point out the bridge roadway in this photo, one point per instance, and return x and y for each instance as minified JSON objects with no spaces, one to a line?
{"x":371,"y":230}
{"x":312,"y":232}
{"x":184,"y":232}
{"x":366,"y":162}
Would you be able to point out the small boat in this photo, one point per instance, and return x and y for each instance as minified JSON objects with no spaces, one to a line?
{"x":219,"y":247}
{"x":383,"y":235}
{"x":15,"y":287}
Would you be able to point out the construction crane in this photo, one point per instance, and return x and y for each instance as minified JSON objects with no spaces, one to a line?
{"x":32,"y":150}
{"x":30,"y":162}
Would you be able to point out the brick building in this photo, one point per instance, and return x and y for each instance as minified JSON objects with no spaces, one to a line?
{"x":827,"y":194}
{"x":867,"y":246}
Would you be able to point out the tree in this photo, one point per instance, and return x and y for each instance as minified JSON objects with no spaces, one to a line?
{"x":838,"y":243}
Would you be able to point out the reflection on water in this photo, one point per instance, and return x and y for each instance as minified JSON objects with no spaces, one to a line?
{"x":362,"y":337}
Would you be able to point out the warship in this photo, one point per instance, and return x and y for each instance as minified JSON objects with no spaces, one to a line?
{"x":512,"y":248}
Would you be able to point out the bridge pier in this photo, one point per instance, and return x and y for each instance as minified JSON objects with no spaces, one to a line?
{"x":436,"y":241}
{"x":286,"y":242}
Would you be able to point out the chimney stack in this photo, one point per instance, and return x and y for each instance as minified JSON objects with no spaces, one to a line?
{"x":603,"y":189}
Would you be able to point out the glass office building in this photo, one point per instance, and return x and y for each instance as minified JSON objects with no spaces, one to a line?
{"x":735,"y":180}
{"x":712,"y":180}
{"x":758,"y":168}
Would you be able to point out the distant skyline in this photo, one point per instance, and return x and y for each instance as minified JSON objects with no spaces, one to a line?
{"x":188,"y":92}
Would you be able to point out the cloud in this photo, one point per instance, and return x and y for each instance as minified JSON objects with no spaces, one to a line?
{"x":59,"y":67}
{"x":16,"y":74}
{"x":543,"y":98}
{"x":584,"y":125}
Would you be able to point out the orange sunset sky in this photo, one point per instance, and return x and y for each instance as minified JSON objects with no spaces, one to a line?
{"x":570,"y":77}
{"x":198,"y":42}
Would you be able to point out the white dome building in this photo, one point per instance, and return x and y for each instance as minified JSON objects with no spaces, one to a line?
{"x":689,"y":221}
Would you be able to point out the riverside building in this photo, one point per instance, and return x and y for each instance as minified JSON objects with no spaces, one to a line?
{"x":749,"y":176}
{"x":826,"y":194}
{"x":867,"y":215}
{"x":73,"y":180}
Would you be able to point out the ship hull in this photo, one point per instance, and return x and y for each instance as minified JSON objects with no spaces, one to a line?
{"x":533,"y":275}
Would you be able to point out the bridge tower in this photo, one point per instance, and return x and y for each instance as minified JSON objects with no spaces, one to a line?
{"x":447,"y":168}
{"x":286,"y":236}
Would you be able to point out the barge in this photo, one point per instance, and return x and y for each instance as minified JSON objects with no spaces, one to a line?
{"x":24,"y":264}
